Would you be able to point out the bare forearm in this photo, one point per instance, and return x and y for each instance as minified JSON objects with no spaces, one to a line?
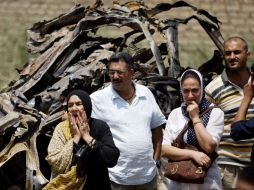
{"x":205,"y":140}
{"x":175,"y":153}
{"x":157,"y":140}
{"x":241,"y":114}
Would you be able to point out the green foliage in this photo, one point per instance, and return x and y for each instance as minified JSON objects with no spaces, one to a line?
{"x":13,"y":53}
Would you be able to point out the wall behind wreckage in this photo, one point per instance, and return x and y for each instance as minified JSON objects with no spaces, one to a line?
{"x":237,"y":17}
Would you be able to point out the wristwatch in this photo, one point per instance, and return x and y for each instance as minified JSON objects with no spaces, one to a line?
{"x":158,"y":163}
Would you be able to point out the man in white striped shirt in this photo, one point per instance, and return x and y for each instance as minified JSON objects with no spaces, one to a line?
{"x":226,"y":91}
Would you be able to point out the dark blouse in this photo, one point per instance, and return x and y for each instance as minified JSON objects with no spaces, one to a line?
{"x":241,"y":130}
{"x":95,"y":162}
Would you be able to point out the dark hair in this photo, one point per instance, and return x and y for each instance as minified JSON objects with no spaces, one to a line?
{"x":234,"y":38}
{"x":190,"y":74}
{"x":247,"y":174}
{"x":122,"y":56}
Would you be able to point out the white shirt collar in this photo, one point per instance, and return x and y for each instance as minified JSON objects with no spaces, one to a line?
{"x":115,"y":95}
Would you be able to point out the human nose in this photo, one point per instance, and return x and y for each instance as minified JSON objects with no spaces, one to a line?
{"x":115,"y":75}
{"x":74,"y":107}
{"x":190,"y":94}
{"x":232,"y":55}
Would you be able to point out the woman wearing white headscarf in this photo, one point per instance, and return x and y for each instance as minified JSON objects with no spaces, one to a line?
{"x":205,"y":132}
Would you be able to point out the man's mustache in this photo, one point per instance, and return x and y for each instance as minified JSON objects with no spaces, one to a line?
{"x":117,"y":80}
{"x":233,"y":60}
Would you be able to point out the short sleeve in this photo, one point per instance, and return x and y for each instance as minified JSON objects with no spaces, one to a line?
{"x":167,"y":136}
{"x":175,"y":124}
{"x":215,"y":125}
{"x":208,"y":95}
{"x":157,"y":117}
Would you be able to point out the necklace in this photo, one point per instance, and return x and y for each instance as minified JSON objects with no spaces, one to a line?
{"x":129,"y":100}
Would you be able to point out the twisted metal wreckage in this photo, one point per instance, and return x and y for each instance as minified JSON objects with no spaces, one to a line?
{"x":73,"y":55}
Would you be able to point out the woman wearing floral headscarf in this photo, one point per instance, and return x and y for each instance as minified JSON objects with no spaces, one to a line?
{"x":81,"y":149}
{"x":205,"y":132}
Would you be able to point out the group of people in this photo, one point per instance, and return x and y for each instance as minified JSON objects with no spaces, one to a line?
{"x":114,"y":138}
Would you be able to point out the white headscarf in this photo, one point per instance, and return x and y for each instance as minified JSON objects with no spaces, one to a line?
{"x":200,"y":78}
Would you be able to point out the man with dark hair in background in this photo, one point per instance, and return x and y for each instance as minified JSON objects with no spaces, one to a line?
{"x":226,"y":91}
